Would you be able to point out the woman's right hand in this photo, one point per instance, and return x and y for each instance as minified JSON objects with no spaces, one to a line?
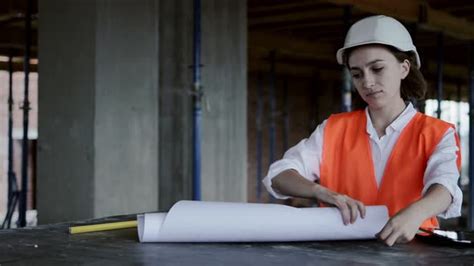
{"x":349,"y":207}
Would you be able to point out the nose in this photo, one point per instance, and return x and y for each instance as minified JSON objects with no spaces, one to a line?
{"x":368,"y":81}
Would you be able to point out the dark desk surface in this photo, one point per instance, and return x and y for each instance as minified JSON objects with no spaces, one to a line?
{"x":52,"y":245}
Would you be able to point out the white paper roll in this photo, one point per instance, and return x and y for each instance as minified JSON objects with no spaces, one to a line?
{"x":199,"y":221}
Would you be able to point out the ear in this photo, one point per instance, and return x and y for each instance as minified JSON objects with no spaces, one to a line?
{"x":405,"y":68}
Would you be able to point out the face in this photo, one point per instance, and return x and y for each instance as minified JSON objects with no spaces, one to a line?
{"x":377,"y":74}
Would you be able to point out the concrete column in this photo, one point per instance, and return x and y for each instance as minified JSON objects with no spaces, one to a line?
{"x":126,"y":107}
{"x":98,"y":131}
{"x":224,"y":146}
{"x":66,"y":111}
{"x":176,"y":28}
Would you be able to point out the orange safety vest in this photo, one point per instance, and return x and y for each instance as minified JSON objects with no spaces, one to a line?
{"x":347,"y":167}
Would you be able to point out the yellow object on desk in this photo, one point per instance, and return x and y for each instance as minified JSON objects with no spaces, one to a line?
{"x":102,"y":227}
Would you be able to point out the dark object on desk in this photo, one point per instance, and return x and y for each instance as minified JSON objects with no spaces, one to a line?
{"x":447,"y":238}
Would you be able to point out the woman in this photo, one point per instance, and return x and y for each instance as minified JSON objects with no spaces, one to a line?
{"x":388,"y":154}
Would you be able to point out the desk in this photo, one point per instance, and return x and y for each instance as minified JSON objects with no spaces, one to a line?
{"x":52,"y":245}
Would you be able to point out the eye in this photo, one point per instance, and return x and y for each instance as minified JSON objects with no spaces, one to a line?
{"x":355,"y":75}
{"x":377,"y":69}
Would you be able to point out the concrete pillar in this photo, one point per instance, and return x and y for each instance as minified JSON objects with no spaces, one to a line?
{"x":176,"y":28}
{"x":98,"y":132}
{"x":224,"y":147}
{"x":126,"y":107}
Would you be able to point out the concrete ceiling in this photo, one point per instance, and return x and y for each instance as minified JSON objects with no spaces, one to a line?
{"x":13,"y":33}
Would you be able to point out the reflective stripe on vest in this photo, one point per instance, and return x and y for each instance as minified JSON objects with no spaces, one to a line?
{"x":347,"y":167}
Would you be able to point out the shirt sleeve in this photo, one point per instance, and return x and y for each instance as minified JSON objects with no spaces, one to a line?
{"x":442,"y":169}
{"x":304,"y":157}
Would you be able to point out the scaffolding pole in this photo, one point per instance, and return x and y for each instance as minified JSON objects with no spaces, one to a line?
{"x":13,"y":193}
{"x":258,"y":121}
{"x":286,"y":115}
{"x":439,"y":82}
{"x":346,"y":94}
{"x":272,"y":133}
{"x":26,"y":110}
{"x":197,"y":101}
{"x":471,"y":137}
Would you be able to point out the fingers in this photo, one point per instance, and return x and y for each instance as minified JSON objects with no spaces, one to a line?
{"x":385,"y":232}
{"x":387,"y":235}
{"x":391,"y":235}
{"x":354,"y":211}
{"x":345,"y":211}
{"x":392,"y":238}
{"x":349,"y":209}
{"x":401,"y":228}
{"x":361,"y":208}
{"x":395,"y":237}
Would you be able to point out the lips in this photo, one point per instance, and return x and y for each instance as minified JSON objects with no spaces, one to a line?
{"x":373,"y":93}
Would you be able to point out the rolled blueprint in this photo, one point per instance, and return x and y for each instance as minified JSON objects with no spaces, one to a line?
{"x":199,"y":221}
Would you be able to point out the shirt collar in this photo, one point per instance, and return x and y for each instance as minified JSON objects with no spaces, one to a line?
{"x":397,"y":125}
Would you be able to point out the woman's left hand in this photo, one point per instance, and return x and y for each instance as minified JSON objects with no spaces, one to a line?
{"x":401,"y":228}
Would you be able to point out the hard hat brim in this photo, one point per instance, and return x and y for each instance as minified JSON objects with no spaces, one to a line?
{"x":340,"y":52}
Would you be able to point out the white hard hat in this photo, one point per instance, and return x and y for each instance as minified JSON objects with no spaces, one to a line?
{"x":378,"y":30}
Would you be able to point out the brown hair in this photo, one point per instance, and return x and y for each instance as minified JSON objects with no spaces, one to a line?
{"x":412,"y":88}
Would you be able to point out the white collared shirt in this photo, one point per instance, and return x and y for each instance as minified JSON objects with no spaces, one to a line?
{"x":305,"y":158}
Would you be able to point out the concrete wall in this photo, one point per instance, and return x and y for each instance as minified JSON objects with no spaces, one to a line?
{"x":115,"y":109}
